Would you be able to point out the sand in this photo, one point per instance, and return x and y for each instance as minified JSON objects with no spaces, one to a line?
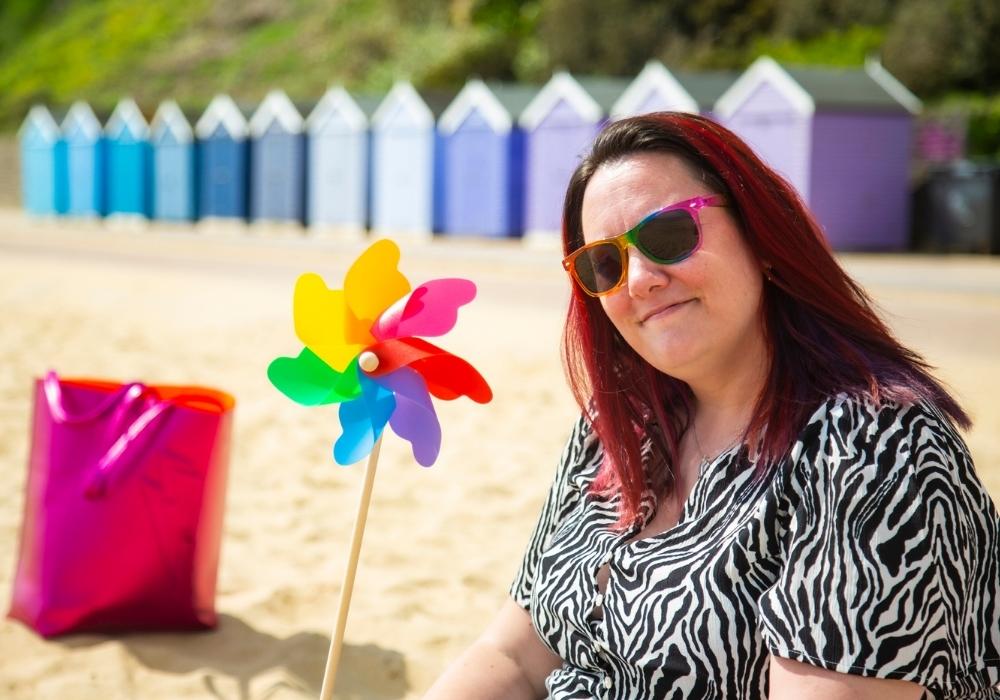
{"x":194,"y":305}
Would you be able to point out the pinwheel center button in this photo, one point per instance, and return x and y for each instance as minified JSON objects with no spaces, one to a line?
{"x":368,"y":361}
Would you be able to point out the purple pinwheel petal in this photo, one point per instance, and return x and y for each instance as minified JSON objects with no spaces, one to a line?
{"x":363,"y":421}
{"x":414,"y":418}
{"x":429,"y":310}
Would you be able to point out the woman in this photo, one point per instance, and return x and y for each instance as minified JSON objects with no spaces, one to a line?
{"x":766,"y":496}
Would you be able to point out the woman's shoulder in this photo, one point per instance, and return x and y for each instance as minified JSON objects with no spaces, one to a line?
{"x":582,"y":456}
{"x":886,"y":437}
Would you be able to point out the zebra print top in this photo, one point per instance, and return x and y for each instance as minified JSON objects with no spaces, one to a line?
{"x":872,"y":550}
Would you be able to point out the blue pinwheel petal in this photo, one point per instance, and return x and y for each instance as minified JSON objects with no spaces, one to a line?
{"x":363,"y":421}
{"x":414,"y":419}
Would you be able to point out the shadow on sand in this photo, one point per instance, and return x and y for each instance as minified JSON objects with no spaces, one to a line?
{"x":261,"y":665}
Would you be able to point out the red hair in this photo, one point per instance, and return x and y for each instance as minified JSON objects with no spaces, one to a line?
{"x":822,"y":333}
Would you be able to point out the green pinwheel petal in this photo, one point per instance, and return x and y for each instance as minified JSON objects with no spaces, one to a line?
{"x":308,"y":380}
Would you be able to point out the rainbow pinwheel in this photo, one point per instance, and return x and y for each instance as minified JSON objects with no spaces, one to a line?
{"x":362,"y":351}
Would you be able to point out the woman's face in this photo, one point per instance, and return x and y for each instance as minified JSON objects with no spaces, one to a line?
{"x":699,"y":318}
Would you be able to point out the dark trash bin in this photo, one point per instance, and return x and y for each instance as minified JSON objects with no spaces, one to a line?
{"x":957,"y":209}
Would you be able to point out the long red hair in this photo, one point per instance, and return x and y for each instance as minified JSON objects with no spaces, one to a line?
{"x":822,"y":332}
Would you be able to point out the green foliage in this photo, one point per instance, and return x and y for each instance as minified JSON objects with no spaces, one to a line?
{"x":848,"y":47}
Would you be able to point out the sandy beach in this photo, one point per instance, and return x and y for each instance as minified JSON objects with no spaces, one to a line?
{"x":191,"y":305}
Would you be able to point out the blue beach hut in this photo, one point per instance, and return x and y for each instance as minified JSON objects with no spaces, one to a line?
{"x":482,"y":150}
{"x":223,"y":175}
{"x":337,"y":182}
{"x":84,"y":162}
{"x":277,"y":161}
{"x":43,"y":168}
{"x":128,"y":166}
{"x":403,"y":137}
{"x":174,"y":154}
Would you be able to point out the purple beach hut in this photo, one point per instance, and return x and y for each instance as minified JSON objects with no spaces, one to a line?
{"x":559,"y":125}
{"x":482,"y":151}
{"x":842,"y":137}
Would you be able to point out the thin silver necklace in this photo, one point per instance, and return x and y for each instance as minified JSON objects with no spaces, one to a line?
{"x":705,"y":459}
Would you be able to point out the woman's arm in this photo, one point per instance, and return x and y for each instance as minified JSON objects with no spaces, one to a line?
{"x":507,"y":662}
{"x":793,"y":680}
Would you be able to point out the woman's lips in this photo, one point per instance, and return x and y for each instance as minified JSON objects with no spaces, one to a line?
{"x":664,"y":311}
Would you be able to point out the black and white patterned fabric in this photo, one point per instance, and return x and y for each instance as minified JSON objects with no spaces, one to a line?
{"x":873,"y":550}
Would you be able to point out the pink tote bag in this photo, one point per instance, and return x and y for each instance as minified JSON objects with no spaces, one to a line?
{"x":123,"y":507}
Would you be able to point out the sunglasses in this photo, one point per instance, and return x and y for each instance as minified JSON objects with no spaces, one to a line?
{"x":666,"y":237}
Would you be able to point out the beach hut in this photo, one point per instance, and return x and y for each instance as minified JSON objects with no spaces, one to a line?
{"x":84,"y":161}
{"x":277,"y":161}
{"x":43,"y":168}
{"x":403,"y":172}
{"x":223,"y":175}
{"x":128,"y":161}
{"x":559,"y":125}
{"x":842,"y":137}
{"x":337,"y":183}
{"x":174,"y":153}
{"x":657,"y":88}
{"x":482,"y":151}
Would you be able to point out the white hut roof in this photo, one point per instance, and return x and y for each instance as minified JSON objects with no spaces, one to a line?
{"x":222,"y":110}
{"x":40,"y":118}
{"x":590,"y":96}
{"x":404,"y":97}
{"x":276,"y":107}
{"x":170,"y":118}
{"x":337,"y":102}
{"x":869,"y":89}
{"x":81,"y":115}
{"x":501,"y":104}
{"x":127,"y":117}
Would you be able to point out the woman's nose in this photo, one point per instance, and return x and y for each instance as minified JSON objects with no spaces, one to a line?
{"x":644,"y":275}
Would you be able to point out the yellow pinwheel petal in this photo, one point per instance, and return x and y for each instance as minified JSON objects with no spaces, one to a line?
{"x":325,"y":324}
{"x":374,"y":282}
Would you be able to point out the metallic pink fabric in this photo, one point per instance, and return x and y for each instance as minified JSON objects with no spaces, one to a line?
{"x":123,"y":508}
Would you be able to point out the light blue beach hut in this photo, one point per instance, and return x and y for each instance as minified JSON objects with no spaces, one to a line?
{"x":223,"y":175}
{"x":277,"y":161}
{"x":129,"y":161}
{"x":43,"y":167}
{"x":337,"y":182}
{"x":560,"y":124}
{"x":84,"y":161}
{"x":482,"y":149}
{"x":403,"y":146}
{"x":841,"y":136}
{"x":658,"y":89}
{"x":174,"y":154}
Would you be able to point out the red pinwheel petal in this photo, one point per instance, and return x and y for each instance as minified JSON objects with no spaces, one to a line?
{"x":448,"y":376}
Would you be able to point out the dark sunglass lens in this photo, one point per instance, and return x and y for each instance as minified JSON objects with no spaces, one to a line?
{"x":599,"y":268}
{"x":669,"y":237}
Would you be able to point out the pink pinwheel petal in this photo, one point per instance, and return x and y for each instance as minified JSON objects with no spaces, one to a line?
{"x":414,"y":418}
{"x":429,"y":310}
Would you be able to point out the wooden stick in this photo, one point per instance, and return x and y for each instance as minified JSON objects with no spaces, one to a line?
{"x":333,"y":658}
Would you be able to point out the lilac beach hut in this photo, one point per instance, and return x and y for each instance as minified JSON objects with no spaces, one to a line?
{"x":402,"y":161}
{"x":337,"y":185}
{"x":842,"y":137}
{"x":559,"y":125}
{"x":657,"y":89}
{"x":482,"y":154}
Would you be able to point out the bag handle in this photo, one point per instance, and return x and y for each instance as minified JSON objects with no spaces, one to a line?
{"x":122,"y":452}
{"x":124,"y":397}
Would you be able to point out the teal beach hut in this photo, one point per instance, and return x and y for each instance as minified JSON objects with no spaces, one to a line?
{"x":82,"y":135}
{"x":223,"y":160}
{"x":277,"y":161}
{"x":172,"y":140}
{"x":43,"y":167}
{"x":128,"y":153}
{"x":337,"y":184}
